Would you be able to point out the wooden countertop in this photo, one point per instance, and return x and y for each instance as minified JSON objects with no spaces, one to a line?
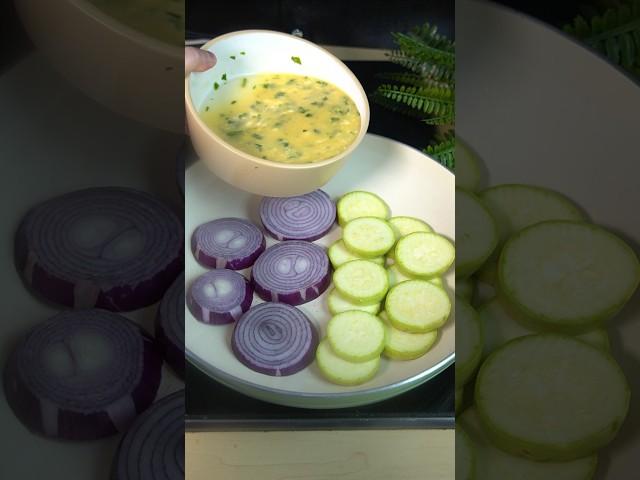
{"x":321,"y":455}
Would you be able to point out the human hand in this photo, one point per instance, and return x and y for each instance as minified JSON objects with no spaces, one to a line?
{"x":197,"y":60}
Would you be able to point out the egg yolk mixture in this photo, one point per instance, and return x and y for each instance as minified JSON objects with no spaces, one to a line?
{"x":283,"y":117}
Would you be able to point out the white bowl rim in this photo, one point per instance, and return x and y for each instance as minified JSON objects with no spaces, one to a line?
{"x":364,"y":118}
{"x":120,"y":28}
{"x":414,"y":380}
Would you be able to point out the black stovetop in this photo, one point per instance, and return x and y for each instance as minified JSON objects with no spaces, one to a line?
{"x":212,"y":406}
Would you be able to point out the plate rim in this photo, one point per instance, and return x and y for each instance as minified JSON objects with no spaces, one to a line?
{"x":635,"y":81}
{"x":410,"y":382}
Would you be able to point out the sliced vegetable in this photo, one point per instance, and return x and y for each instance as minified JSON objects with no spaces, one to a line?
{"x":403,"y":226}
{"x":361,"y":204}
{"x":153,"y":448}
{"x":339,"y":254}
{"x":400,"y":345}
{"x":304,"y":217}
{"x":567,"y":275}
{"x":169,"y":326}
{"x":397,"y":276}
{"x":356,"y":336}
{"x":515,"y":207}
{"x":82,"y":375}
{"x":219,"y":296}
{"x":493,"y":463}
{"x":275,"y":339}
{"x":476,"y":232}
{"x":466,"y":458}
{"x":501,"y":324}
{"x":292,"y":272}
{"x":338,"y":304}
{"x":113,"y":248}
{"x":424,"y":254}
{"x":417,"y":306}
{"x":361,"y":281}
{"x":468,"y":173}
{"x":551,"y":398}
{"x":232,"y":243}
{"x":368,"y":237}
{"x":343,"y":372}
{"x":469,"y":341}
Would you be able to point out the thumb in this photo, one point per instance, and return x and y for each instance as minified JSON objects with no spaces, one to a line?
{"x":197,"y":60}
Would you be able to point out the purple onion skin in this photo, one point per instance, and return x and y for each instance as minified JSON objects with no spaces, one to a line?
{"x":167,"y":438}
{"x":300,"y":236}
{"x":123,"y":298}
{"x":236,"y":264}
{"x":306,"y":360}
{"x":294,"y":298}
{"x":216,"y":318}
{"x":74,"y":426}
{"x":311,"y":238}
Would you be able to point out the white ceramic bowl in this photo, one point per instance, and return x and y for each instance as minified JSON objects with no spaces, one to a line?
{"x":267,"y":52}
{"x":123,"y":69}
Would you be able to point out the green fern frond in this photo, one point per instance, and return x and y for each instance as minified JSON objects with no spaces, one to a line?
{"x":444,"y":120}
{"x":443,"y":73}
{"x":433,"y":101}
{"x":412,"y":79}
{"x":616,"y":34}
{"x":424,"y":43}
{"x":442,"y":148}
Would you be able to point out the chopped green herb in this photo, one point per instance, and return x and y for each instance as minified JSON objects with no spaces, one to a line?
{"x":234,"y":133}
{"x":308,"y":114}
{"x":268,"y":85}
{"x":243,"y":53}
{"x":206,"y":109}
{"x":216,"y":85}
{"x":224,"y":77}
{"x":315,"y":130}
{"x":302,"y":110}
{"x":258,"y":146}
{"x":296,"y":60}
{"x":280,"y":94}
{"x":334,"y":119}
{"x":243,"y":115}
{"x":257,"y":136}
{"x":232,"y":57}
{"x":232,"y":102}
{"x":291,"y":81}
{"x":317,"y":104}
{"x":304,"y":130}
{"x":321,"y":82}
{"x":244,"y":82}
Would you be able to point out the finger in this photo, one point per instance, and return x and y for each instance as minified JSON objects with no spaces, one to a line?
{"x":197,"y":60}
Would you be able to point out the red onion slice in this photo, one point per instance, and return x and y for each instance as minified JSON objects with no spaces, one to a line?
{"x":304,"y":217}
{"x":112,"y":248}
{"x":275,"y":339}
{"x":292,"y":272}
{"x":169,"y":326}
{"x":82,"y":375}
{"x":219,"y":296}
{"x":153,"y":448}
{"x":232,"y":243}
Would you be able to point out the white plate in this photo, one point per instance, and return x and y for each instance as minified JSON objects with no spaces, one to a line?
{"x":413,"y":185}
{"x":540,"y":108}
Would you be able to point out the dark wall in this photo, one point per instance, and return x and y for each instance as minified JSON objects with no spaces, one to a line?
{"x":365,"y":23}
